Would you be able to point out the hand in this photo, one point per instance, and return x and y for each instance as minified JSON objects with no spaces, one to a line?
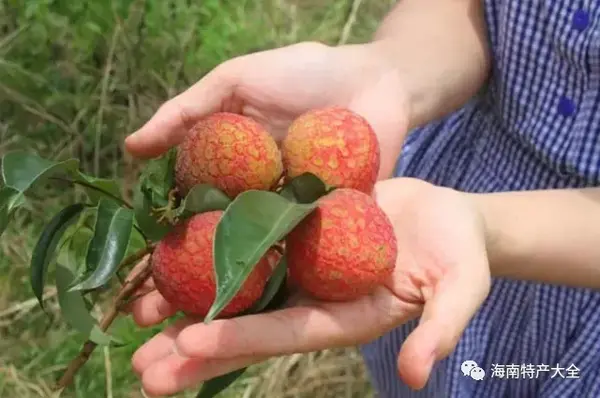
{"x":276,"y":86}
{"x":442,"y":275}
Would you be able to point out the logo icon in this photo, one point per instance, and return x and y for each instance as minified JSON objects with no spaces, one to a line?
{"x":471,"y":368}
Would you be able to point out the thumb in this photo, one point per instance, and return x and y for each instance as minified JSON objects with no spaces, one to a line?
{"x":442,"y":323}
{"x":169,"y":125}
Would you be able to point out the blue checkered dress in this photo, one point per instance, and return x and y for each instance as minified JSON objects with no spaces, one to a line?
{"x":536,"y":125}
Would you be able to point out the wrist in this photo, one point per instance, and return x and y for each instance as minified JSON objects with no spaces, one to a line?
{"x":376,"y":93}
{"x":502,"y":249}
{"x":370,"y":68}
{"x":419,"y":108}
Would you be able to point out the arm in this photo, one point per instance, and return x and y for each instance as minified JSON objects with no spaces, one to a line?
{"x":550,"y":236}
{"x":440,"y":51}
{"x":427,"y":59}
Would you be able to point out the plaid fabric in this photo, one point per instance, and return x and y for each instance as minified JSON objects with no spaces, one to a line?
{"x":535,"y":126}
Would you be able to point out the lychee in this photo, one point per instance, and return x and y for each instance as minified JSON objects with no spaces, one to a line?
{"x":232,"y":152}
{"x":344,"y":249}
{"x":337,"y":145}
{"x":183,"y":269}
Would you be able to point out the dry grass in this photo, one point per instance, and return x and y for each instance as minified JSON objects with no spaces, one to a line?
{"x":75,"y":78}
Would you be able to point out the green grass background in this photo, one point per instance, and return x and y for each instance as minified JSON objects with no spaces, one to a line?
{"x":75,"y":78}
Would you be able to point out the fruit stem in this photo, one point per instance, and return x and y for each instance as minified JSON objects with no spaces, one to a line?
{"x":133,"y":282}
{"x":166,"y":212}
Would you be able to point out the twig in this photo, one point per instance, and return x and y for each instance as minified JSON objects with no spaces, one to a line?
{"x":118,"y":199}
{"x":349,"y":22}
{"x":90,"y":186}
{"x":36,"y":109}
{"x":13,"y":35}
{"x":137,"y":256}
{"x":130,"y":286}
{"x":135,"y":297}
{"x":108,"y":370}
{"x":27,"y":304}
{"x":103,"y":95}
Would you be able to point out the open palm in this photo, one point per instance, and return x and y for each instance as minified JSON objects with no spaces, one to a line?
{"x":276,"y":86}
{"x":442,"y":275}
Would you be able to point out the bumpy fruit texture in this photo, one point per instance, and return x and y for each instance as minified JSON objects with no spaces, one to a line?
{"x":343,"y":249}
{"x":183,"y":269}
{"x":337,"y":145}
{"x":229,"y":151}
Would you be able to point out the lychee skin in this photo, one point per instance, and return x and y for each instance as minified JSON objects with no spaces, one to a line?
{"x":183,"y":270}
{"x":229,"y":151}
{"x":344,"y":249}
{"x":337,"y":145}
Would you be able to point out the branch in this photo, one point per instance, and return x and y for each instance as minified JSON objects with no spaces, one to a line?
{"x":85,"y":184}
{"x":134,"y":281}
{"x":118,"y":199}
{"x":137,"y":256}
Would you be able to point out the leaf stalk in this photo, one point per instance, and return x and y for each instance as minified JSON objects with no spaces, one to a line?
{"x":90,"y":186}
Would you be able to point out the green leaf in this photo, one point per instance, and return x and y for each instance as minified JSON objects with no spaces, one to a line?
{"x":213,"y":387}
{"x":136,"y":242}
{"x":10,"y":201}
{"x":44,"y":251}
{"x":155,"y":184}
{"x":158,"y":177}
{"x":108,"y":245}
{"x":74,"y":308}
{"x":148,"y":223}
{"x":97,"y":188}
{"x":169,"y":172}
{"x":22,"y":170}
{"x":280,"y":298}
{"x":306,"y":188}
{"x":252,"y":223}
{"x":75,"y":247}
{"x":273,"y":286}
{"x":202,"y":198}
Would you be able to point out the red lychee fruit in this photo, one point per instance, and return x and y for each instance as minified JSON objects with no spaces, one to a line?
{"x":183,"y":269}
{"x":229,"y":151}
{"x":337,"y":145}
{"x":344,"y":249}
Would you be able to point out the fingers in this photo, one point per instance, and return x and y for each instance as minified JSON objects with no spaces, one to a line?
{"x":158,"y":347}
{"x":176,"y":373}
{"x":163,"y":371}
{"x":293,"y":330}
{"x":419,"y":353}
{"x":170,"y":123}
{"x":444,"y":319}
{"x":151,"y":309}
{"x":147,"y":306}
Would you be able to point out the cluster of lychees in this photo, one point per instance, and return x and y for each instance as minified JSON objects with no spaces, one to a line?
{"x":341,"y":251}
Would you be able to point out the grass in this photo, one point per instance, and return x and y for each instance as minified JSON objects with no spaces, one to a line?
{"x":75,"y":79}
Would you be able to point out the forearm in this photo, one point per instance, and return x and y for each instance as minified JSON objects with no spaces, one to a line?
{"x":440,"y":50}
{"x":549,"y":236}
